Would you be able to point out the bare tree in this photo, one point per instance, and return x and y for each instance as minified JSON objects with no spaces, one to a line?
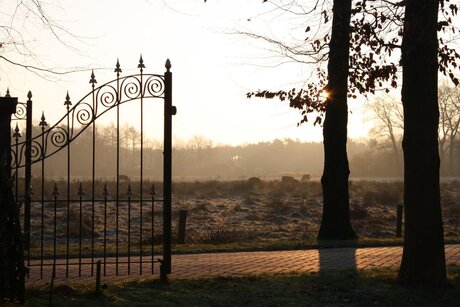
{"x":17,"y":49}
{"x":199,"y":146}
{"x":387,"y":113}
{"x":449,"y":122}
{"x":109,"y":133}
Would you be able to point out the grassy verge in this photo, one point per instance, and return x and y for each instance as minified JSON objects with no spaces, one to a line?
{"x":331,"y":288}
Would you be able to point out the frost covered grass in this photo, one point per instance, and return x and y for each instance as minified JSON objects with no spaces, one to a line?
{"x":248,"y":214}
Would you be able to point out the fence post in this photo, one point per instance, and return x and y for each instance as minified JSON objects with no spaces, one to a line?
{"x":182,"y":226}
{"x":98,"y":278}
{"x":399,"y":215}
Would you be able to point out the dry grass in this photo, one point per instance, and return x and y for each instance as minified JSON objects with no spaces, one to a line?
{"x":242,"y":211}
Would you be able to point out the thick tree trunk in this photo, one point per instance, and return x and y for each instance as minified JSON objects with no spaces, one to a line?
{"x":423,"y":259}
{"x":335,"y":223}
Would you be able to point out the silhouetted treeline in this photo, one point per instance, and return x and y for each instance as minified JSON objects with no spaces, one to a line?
{"x":198,"y":158}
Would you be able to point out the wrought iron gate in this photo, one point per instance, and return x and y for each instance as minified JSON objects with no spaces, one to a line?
{"x":77,"y":222}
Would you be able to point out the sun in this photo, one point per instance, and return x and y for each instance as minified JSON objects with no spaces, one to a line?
{"x":324,"y":94}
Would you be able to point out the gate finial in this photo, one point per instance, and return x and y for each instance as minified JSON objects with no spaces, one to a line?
{"x":55,"y":190}
{"x":80,"y":190}
{"x":117,"y":68}
{"x":141,"y":65}
{"x":93,"y":78}
{"x":168,"y":65}
{"x":67,"y":101}
{"x":106,"y":190}
{"x":43,"y":122}
{"x":16,"y":133}
{"x":130,"y":192}
{"x":7,"y":93}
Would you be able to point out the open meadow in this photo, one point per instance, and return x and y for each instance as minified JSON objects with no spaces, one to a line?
{"x":248,"y":212}
{"x":252,"y":210}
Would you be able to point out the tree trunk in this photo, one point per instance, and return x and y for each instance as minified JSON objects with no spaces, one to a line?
{"x":335,"y":222}
{"x":423,"y":260}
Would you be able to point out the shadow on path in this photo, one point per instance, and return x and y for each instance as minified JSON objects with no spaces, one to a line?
{"x":337,"y":259}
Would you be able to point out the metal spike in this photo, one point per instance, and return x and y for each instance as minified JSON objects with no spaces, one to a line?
{"x":7,"y":93}
{"x":16,"y":133}
{"x":43,"y":122}
{"x":141,"y":65}
{"x":80,"y":190}
{"x":152,"y":191}
{"x":130,"y":192}
{"x":29,"y":95}
{"x":93,"y":78}
{"x":117,"y":68}
{"x":106,"y":190}
{"x":55,"y":190}
{"x":168,"y":65}
{"x":67,"y":101}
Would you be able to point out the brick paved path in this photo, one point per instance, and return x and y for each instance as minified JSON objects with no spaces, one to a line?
{"x":241,"y":263}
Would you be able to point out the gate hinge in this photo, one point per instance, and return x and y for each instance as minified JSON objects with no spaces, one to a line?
{"x":173,"y":110}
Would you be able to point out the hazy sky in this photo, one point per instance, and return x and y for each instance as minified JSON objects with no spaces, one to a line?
{"x":212,"y":69}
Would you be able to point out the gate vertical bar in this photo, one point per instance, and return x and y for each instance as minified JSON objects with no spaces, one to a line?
{"x":93,"y":81}
{"x":117,"y":193}
{"x":42,"y":125}
{"x":28,"y":175}
{"x":80,"y":197}
{"x":129,"y":227}
{"x":55,"y":196}
{"x":167,"y":172}
{"x":141,"y":66}
{"x":106,"y":193}
{"x":153,"y":194}
{"x":16,"y":135}
{"x":68,"y":103}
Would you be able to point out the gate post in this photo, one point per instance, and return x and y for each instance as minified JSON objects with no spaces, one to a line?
{"x":169,"y":111}
{"x":12,"y":272}
{"x":7,"y":109}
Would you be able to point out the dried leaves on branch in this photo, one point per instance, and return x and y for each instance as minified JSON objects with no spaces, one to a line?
{"x":376,"y":36}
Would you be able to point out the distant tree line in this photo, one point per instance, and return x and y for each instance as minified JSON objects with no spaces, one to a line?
{"x":199,"y":158}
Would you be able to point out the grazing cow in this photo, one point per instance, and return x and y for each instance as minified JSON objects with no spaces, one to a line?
{"x":288,"y":179}
{"x":254,"y":181}
{"x":305,"y":178}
